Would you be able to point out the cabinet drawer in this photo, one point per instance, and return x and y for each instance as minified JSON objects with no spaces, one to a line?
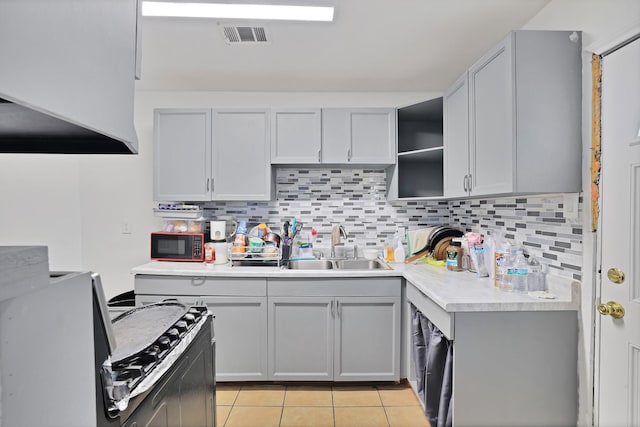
{"x":369,"y":286}
{"x":200,"y":285}
{"x":438,"y":316}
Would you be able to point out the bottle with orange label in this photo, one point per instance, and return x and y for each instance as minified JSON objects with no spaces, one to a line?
{"x":240,"y":241}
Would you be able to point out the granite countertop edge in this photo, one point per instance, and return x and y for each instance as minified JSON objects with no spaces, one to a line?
{"x":452,"y":291}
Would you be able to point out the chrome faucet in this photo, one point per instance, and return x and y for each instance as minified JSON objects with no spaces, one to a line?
{"x":336,"y":231}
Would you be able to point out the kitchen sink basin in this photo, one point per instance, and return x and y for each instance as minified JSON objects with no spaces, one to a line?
{"x":343,"y":264}
{"x":310,"y":264}
{"x":360,"y":264}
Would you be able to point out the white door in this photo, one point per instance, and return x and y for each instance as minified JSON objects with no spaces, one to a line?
{"x":619,"y":370}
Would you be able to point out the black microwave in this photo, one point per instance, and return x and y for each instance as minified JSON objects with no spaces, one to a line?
{"x":177,"y":246}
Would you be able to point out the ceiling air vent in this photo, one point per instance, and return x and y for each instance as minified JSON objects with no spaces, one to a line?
{"x":244,"y":35}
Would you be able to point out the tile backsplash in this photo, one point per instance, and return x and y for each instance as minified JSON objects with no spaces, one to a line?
{"x":355,"y":198}
{"x":537,"y":223}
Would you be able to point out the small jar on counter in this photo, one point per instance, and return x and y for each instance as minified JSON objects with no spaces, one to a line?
{"x":454,"y":255}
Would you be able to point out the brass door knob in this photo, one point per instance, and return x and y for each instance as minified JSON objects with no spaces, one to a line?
{"x":615,"y":275}
{"x":612,"y":309}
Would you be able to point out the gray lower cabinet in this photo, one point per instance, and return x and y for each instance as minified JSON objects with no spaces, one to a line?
{"x":301,"y":338}
{"x":509,"y":365}
{"x":240,"y":322}
{"x":324,"y":329}
{"x":294,"y":329}
{"x":367,"y":339}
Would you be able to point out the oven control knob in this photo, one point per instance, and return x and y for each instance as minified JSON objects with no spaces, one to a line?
{"x":181,"y":326}
{"x":164,"y":343}
{"x":189,"y":318}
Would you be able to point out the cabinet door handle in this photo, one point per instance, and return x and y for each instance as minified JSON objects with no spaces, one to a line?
{"x":332,"y":312}
{"x":470,"y":181}
{"x":464,"y":183}
{"x":337,"y":308}
{"x":212,"y":185}
{"x":208,"y":179}
{"x":349,"y":155}
{"x":319,"y":156}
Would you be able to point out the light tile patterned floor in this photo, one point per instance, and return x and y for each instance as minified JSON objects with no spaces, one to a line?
{"x":241,"y":405}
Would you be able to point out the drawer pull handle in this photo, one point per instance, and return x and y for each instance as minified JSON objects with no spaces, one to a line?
{"x":197,"y":281}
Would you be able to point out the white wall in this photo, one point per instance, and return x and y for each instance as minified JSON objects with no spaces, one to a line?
{"x":603,"y":23}
{"x":40,"y":205}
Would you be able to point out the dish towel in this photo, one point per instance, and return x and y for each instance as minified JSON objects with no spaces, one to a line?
{"x":417,"y":239}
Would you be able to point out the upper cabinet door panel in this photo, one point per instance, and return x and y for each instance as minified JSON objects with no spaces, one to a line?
{"x":492,"y":136}
{"x":182,"y":152}
{"x":456,"y":138}
{"x":372,"y":136}
{"x":241,"y":155}
{"x":295,"y":136}
{"x":359,"y":136}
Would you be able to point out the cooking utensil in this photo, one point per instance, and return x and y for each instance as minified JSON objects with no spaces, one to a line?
{"x":272,"y":237}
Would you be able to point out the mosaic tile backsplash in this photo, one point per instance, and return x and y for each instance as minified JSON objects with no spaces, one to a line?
{"x":355,"y":198}
{"x":536,"y":223}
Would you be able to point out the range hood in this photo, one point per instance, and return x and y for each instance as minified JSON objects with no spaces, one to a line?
{"x":67,"y":76}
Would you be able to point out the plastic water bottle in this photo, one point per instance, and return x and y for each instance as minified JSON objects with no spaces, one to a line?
{"x":535,"y":279}
{"x":518,"y":273}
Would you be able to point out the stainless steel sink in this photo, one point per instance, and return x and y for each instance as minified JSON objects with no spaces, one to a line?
{"x":343,"y":264}
{"x":310,"y":264}
{"x":360,"y":264}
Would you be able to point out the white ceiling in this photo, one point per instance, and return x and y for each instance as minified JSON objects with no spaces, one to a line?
{"x":372,"y":45}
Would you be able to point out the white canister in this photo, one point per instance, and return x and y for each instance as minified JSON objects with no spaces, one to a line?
{"x":220,"y":248}
{"x":218,"y":230}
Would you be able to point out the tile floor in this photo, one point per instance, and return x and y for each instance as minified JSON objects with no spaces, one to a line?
{"x":296,"y":405}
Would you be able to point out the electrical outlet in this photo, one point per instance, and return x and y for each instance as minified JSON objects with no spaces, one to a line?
{"x":570,"y":203}
{"x":126,"y":227}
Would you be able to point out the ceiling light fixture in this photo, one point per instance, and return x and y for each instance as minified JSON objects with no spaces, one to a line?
{"x":237,"y":11}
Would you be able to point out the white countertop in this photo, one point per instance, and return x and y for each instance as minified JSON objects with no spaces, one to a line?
{"x":453,"y":291}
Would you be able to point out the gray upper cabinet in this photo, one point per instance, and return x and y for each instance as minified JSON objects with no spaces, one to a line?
{"x":204,"y":154}
{"x":492,"y":140}
{"x":524,"y":108}
{"x":359,"y":136}
{"x":241,"y":155}
{"x":456,"y":138}
{"x":296,"y":136}
{"x":182,"y":154}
